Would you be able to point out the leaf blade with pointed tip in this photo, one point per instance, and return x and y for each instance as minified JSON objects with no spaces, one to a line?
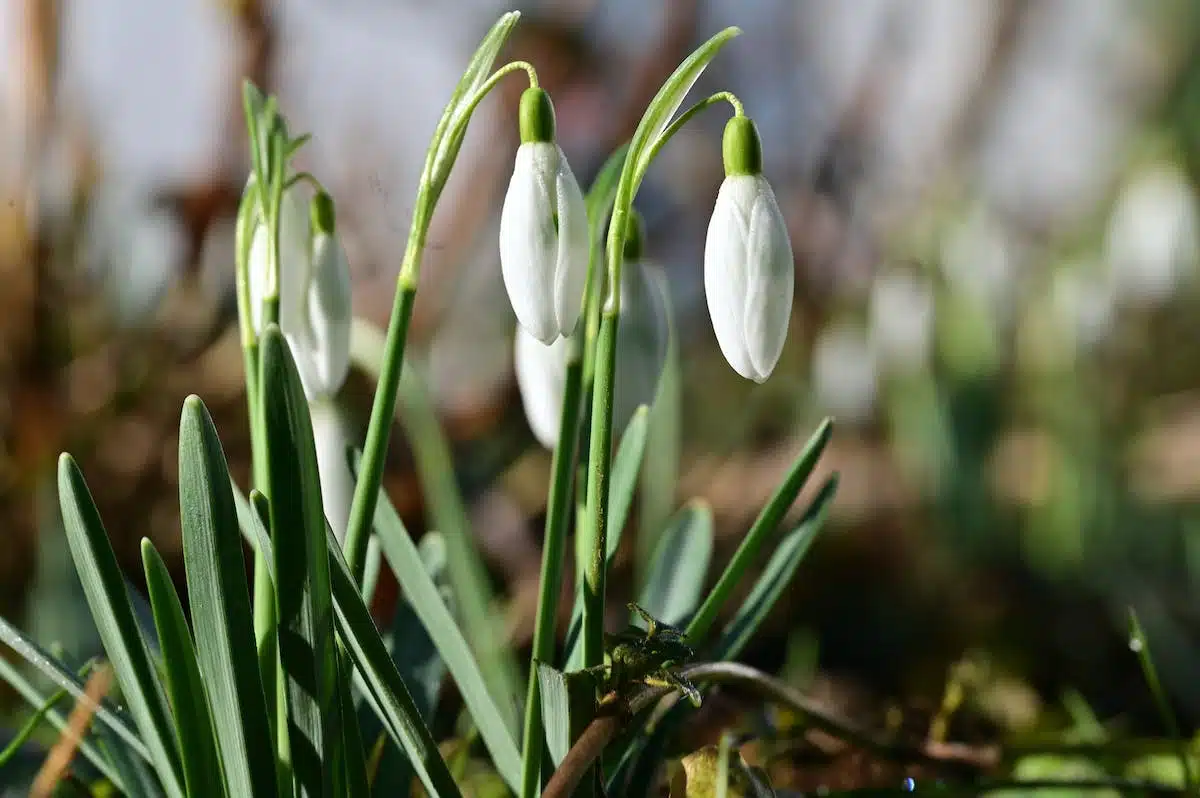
{"x":104,"y":587}
{"x":189,"y":698}
{"x":679,"y":565}
{"x":221,"y":614}
{"x":397,"y":709}
{"x":303,"y":603}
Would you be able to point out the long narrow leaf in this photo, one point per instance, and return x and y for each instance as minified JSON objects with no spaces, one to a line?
{"x":371,"y":658}
{"x":220,"y":598}
{"x":679,"y":565}
{"x":424,"y":598}
{"x":189,"y":698}
{"x":763,"y":527}
{"x":61,"y":675}
{"x":776,"y":576}
{"x":304,"y":607}
{"x":104,"y":587}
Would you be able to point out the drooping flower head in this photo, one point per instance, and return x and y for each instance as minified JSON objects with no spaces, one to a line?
{"x":314,"y":290}
{"x":543,"y":229}
{"x":749,"y":273}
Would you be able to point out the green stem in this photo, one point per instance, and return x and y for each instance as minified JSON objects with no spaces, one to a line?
{"x":599,"y":458}
{"x":366,"y":491}
{"x":558,"y":517}
{"x":722,"y":96}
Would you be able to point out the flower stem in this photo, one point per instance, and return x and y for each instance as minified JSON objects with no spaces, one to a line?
{"x":366,"y":491}
{"x":558,"y":517}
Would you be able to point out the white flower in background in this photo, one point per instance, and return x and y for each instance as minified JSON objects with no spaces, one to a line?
{"x":901,"y":314}
{"x":543,"y":229}
{"x":642,"y":338}
{"x":844,"y":375}
{"x":314,"y":292}
{"x":749,"y":272}
{"x":1152,"y":234}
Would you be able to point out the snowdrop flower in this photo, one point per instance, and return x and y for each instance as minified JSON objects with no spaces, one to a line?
{"x":543,"y":229}
{"x":749,"y":273}
{"x":314,"y":292}
{"x":642,"y":338}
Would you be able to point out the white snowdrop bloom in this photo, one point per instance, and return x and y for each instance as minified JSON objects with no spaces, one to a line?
{"x":543,"y":229}
{"x":1153,"y":235}
{"x":314,"y":292}
{"x":901,"y":313}
{"x":749,"y":272}
{"x":642,"y":338}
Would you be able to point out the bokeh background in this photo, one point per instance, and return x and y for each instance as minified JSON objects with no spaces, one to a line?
{"x":994,"y":211}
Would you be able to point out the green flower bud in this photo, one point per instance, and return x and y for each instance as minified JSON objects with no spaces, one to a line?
{"x":741,"y":149}
{"x":536,"y":116}
{"x":322,"y":214}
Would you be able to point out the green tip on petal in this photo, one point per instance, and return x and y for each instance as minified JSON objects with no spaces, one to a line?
{"x":635,"y":236}
{"x":322,"y":214}
{"x":741,"y":148}
{"x":536,"y":116}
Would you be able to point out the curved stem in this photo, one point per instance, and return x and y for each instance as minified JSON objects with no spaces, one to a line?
{"x":307,"y":177}
{"x":681,"y":120}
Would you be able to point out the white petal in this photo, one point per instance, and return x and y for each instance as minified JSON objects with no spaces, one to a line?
{"x":725,"y":269}
{"x":293,"y":265}
{"x":329,"y":313}
{"x":770,"y":282}
{"x":301,"y":346}
{"x":541,"y":378}
{"x":528,"y":240}
{"x":570,"y":277}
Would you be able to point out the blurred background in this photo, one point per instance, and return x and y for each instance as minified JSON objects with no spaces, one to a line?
{"x":993,"y":206}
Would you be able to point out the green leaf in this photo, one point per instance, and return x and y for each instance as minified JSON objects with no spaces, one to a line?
{"x":29,"y":727}
{"x":568,"y":705}
{"x":468,"y":577}
{"x":556,"y":711}
{"x":418,"y":662}
{"x":763,"y":527}
{"x":679,"y":565}
{"x":660,"y":471}
{"x":664,"y":105}
{"x":30,"y":695}
{"x":425,"y":600}
{"x":387,"y":689}
{"x":104,"y":587}
{"x":220,"y":600}
{"x":357,"y":785}
{"x":61,"y":675}
{"x":304,"y":607}
{"x":445,"y":144}
{"x":189,"y":699}
{"x":775,"y":577}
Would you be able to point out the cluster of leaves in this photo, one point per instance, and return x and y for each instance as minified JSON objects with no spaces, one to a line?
{"x":286,"y":686}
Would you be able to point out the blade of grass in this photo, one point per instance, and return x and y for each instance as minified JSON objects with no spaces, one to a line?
{"x":303,"y":604}
{"x":473,"y":592}
{"x":29,"y":727}
{"x":468,"y":673}
{"x":189,"y":698}
{"x":398,"y":711}
{"x":61,"y":675}
{"x":680,"y":562}
{"x":104,"y":587}
{"x":1140,"y":646}
{"x":763,"y":527}
{"x":221,"y":613}
{"x":355,"y":757}
{"x":419,"y":664}
{"x":775,"y":577}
